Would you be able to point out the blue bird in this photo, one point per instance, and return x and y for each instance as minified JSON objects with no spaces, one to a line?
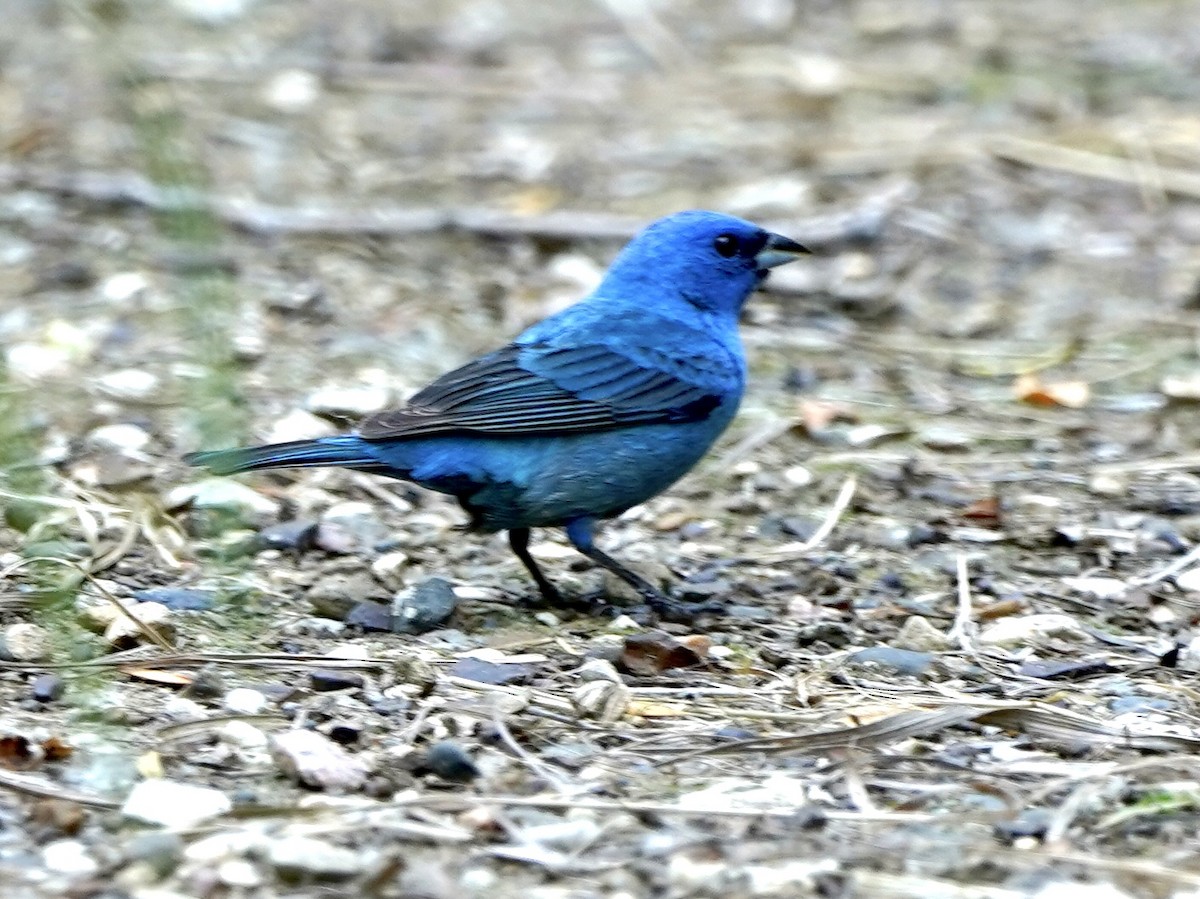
{"x":587,"y":413}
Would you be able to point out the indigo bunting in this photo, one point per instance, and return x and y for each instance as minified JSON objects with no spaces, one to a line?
{"x":588,"y":412}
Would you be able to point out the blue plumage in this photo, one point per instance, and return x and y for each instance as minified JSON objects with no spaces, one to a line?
{"x":586,"y":413}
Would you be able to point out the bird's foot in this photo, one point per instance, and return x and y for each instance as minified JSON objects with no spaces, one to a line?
{"x":678,"y":610}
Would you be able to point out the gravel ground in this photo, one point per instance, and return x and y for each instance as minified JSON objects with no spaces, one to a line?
{"x":955,"y":529}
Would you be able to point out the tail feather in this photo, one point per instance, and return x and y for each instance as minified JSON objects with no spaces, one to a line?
{"x":345,"y":451}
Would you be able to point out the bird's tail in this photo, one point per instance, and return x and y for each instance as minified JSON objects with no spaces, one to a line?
{"x":347,"y":451}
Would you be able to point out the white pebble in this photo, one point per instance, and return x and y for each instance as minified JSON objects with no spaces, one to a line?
{"x":120,"y":437}
{"x":124,"y":286}
{"x":130,"y":384}
{"x":292,"y":90}
{"x":1023,"y":630}
{"x":69,"y":857}
{"x":169,"y":803}
{"x":245,"y":701}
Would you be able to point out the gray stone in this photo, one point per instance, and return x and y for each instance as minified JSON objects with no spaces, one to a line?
{"x":304,"y":858}
{"x":334,"y":595}
{"x":901,"y":661}
{"x":314,"y":760}
{"x":423,"y":607}
{"x":25,"y":642}
{"x":350,"y":527}
{"x":918,"y":635}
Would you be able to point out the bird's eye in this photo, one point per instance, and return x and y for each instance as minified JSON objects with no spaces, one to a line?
{"x":726,"y":245}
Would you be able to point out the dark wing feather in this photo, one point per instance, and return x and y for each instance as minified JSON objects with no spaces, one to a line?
{"x":544,"y":390}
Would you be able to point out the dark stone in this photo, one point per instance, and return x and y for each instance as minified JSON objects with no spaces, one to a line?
{"x":831,"y":633}
{"x":334,"y":595}
{"x":449,"y":761}
{"x":424,"y":607}
{"x":179,"y":599}
{"x":47,"y":687}
{"x":697,"y":591}
{"x":326,"y":680}
{"x":74,"y":274}
{"x":922,"y":533}
{"x":1032,"y":822}
{"x":902,"y":661}
{"x":159,"y":849}
{"x":1065,"y":670}
{"x":345,"y":732}
{"x":370,"y":616}
{"x":296,"y":535}
{"x":484,"y":672}
{"x":391,"y":705}
{"x":733,"y":734}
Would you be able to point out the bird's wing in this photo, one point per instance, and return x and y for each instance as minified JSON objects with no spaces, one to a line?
{"x":542,"y":389}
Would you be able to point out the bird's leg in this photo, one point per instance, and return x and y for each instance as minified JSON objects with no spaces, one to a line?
{"x":579,"y":532}
{"x":518,"y":539}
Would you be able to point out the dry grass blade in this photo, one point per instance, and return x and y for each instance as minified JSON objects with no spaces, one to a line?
{"x":1036,"y":154}
{"x":1054,"y":723}
{"x":1036,"y":720}
{"x":29,"y":785}
{"x":886,"y":730}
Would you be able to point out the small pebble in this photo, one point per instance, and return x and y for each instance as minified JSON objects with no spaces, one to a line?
{"x":348,"y":402}
{"x":495,"y":674}
{"x":335,"y":595}
{"x":370,"y":616}
{"x":312,"y":759}
{"x":169,"y":803}
{"x":124,"y":287}
{"x":307,"y":858}
{"x":224,"y":494}
{"x":298,"y":535}
{"x":902,"y":661}
{"x":449,"y":761}
{"x":124,"y":633}
{"x":25,"y":642}
{"x":47,"y":688}
{"x":178,"y":599}
{"x":299,"y":425}
{"x":123,"y":438}
{"x":345,"y":733}
{"x":389,"y":568}
{"x":162,"y":850}
{"x":69,"y":857}
{"x":604,"y":700}
{"x":245,"y":701}
{"x":129,"y":384}
{"x":239,"y":874}
{"x":292,"y":90}
{"x":1023,"y":630}
{"x":423,"y":607}
{"x":327,"y":680}
{"x":918,"y":635}
{"x":350,"y":527}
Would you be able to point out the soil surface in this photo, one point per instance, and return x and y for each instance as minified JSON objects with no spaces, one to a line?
{"x":953,"y":534}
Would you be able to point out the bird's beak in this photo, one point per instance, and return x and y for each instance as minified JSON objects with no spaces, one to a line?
{"x":779,"y":250}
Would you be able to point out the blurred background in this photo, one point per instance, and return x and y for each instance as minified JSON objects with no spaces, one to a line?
{"x":281,"y":170}
{"x":215,"y":213}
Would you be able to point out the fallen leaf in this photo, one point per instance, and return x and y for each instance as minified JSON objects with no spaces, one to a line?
{"x":986,"y":509}
{"x":817,"y":415}
{"x":654,"y":652}
{"x":170,"y":677}
{"x":649,"y":708}
{"x":1031,"y":389}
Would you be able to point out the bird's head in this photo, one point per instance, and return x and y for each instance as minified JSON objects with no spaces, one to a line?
{"x":709,"y":260}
